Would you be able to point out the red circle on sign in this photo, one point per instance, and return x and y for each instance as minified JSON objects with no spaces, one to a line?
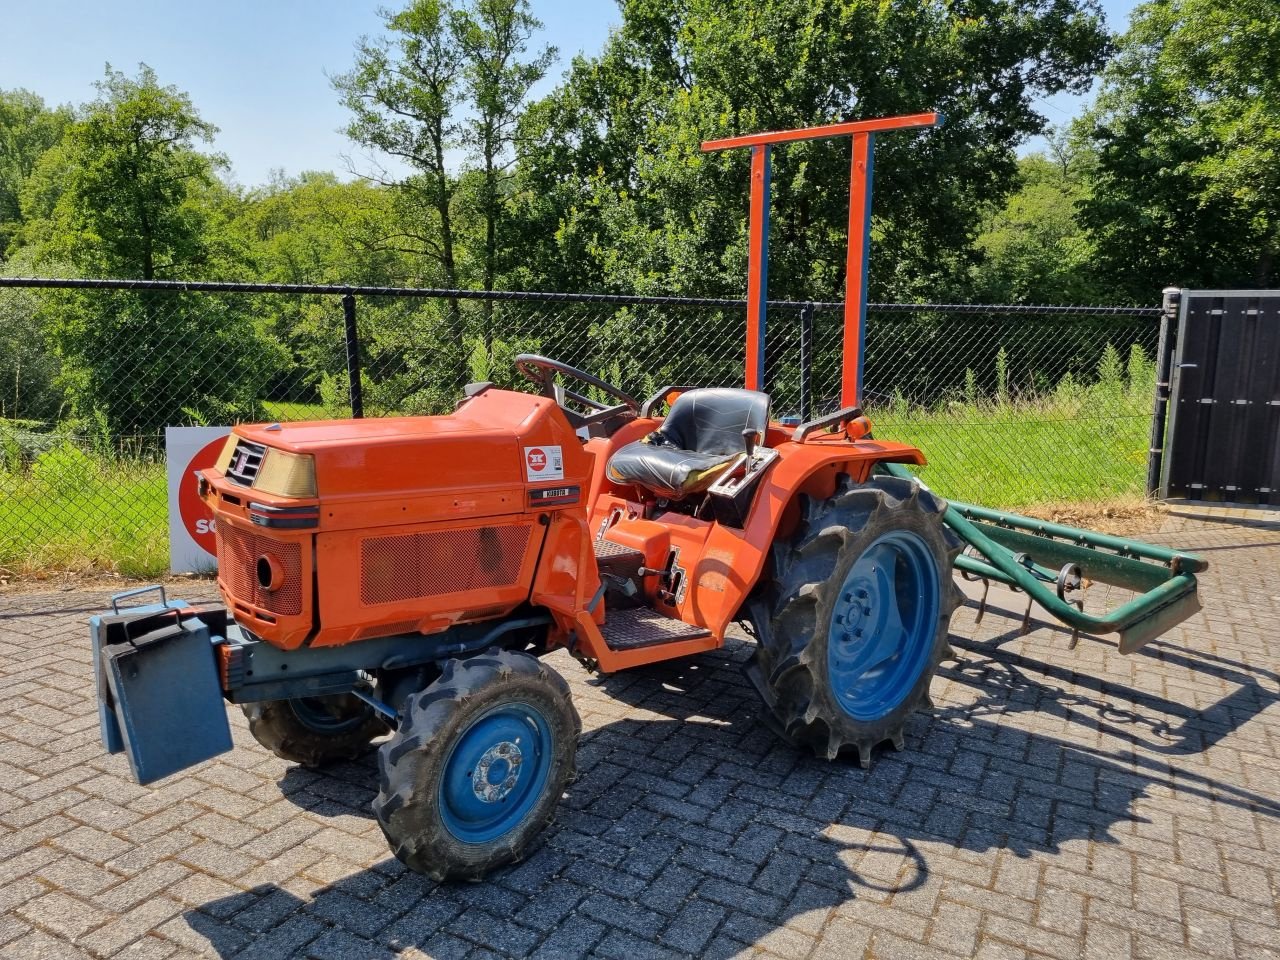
{"x":537,"y":459}
{"x":196,"y":517}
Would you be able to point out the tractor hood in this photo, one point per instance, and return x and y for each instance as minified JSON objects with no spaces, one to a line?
{"x":480,"y":458}
{"x":318,"y":435}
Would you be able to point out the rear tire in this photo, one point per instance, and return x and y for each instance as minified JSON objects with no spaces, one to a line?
{"x":853,"y":623}
{"x":316,"y":730}
{"x":478,"y":765}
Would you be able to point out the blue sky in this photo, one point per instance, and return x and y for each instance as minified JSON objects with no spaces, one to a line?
{"x":259,"y":70}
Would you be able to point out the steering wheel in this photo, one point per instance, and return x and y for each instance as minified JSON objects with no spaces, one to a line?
{"x":544,"y":372}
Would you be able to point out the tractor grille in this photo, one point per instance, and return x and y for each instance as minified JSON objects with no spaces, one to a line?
{"x":431,"y":563}
{"x":238,"y":553}
{"x":246,"y":461}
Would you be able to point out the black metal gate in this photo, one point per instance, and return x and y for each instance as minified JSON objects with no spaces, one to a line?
{"x":1224,"y":419}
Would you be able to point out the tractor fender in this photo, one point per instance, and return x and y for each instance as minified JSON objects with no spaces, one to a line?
{"x":732,"y":561}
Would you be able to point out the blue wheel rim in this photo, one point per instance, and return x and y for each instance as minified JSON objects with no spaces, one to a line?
{"x":883,"y":625}
{"x":496,"y":772}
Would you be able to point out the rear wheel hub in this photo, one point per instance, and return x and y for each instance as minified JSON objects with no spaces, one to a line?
{"x":495,"y":773}
{"x":883,"y":625}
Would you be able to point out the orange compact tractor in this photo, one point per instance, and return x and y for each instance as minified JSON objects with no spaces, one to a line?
{"x":403,"y":576}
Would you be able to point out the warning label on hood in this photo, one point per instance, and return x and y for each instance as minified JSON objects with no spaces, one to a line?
{"x":543,"y":463}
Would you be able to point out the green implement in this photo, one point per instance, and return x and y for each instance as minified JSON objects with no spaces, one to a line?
{"x":1048,"y":561}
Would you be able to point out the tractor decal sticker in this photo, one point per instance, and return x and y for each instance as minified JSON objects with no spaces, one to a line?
{"x":543,"y":463}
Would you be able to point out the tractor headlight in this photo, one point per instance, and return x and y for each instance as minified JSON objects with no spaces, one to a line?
{"x":287,"y":474}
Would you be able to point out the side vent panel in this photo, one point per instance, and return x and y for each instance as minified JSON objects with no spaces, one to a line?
{"x":436,"y":562}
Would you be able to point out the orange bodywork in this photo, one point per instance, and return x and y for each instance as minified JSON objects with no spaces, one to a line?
{"x":420,"y":523}
{"x":722,"y":563}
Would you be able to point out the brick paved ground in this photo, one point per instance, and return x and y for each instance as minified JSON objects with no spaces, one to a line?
{"x":1059,"y":803}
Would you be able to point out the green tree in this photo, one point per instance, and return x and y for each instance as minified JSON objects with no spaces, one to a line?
{"x":443,"y":92}
{"x":131,"y":202}
{"x":28,"y":129}
{"x":28,"y":369}
{"x":137,"y":200}
{"x":493,"y":35}
{"x":629,"y":203}
{"x":403,"y":93}
{"x":315,"y":229}
{"x":1034,"y":247}
{"x":1187,"y":128}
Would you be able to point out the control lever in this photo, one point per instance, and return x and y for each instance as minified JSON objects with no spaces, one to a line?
{"x":749,"y":439}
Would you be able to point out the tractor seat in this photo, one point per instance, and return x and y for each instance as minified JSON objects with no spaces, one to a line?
{"x":700,"y":438}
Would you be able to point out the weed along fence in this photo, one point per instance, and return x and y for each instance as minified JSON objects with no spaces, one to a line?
{"x":1014,"y":406}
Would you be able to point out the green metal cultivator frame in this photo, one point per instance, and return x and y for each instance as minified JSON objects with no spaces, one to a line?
{"x":1052,"y":564}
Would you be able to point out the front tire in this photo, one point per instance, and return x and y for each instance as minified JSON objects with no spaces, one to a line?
{"x":315,"y":731}
{"x":478,"y":765}
{"x":854,"y":621}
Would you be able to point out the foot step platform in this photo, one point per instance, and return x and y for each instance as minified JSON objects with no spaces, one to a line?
{"x":615,"y":559}
{"x":634,"y":627}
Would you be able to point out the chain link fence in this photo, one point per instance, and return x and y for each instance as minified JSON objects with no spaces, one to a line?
{"x":1014,"y":406}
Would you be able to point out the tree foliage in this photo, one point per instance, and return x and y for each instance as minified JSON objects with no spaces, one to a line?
{"x":1034,"y":248}
{"x":442,"y":93}
{"x":132,"y":184}
{"x":1187,"y":129}
{"x":313,"y":228}
{"x":28,"y":368}
{"x":493,"y":35}
{"x":403,"y":93}
{"x":448,"y":80}
{"x":28,"y":130}
{"x":633,"y":205}
{"x":135,"y":199}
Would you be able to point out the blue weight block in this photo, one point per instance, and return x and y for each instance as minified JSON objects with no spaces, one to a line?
{"x":164,"y":704}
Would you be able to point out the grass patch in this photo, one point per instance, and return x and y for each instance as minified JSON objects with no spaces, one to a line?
{"x":1071,"y":444}
{"x":72,"y":512}
{"x":1021,"y":458}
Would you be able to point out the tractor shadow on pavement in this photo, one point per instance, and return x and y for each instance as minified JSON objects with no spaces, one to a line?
{"x":694,"y":829}
{"x":1053,"y":684}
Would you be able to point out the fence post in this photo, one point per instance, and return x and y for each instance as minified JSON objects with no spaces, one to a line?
{"x":353,"y":355}
{"x":1170,"y":303}
{"x":806,"y":361}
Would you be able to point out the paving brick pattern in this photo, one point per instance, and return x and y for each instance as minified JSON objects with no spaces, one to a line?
{"x":1059,"y":802}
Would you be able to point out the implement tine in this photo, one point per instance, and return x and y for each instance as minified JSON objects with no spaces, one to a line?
{"x":982,"y":604}
{"x":1075,"y":631}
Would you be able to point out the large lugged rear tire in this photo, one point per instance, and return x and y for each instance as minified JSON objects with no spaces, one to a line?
{"x":316,"y":730}
{"x":853,"y":622}
{"x":478,"y":765}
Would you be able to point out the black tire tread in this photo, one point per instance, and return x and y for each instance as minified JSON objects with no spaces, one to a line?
{"x":789,"y":665}
{"x":274,"y":725}
{"x":409,"y":764}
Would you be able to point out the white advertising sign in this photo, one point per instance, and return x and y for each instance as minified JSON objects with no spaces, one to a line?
{"x":191,"y":525}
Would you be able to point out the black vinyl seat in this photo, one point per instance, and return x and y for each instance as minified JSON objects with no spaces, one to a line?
{"x":701,"y":437}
